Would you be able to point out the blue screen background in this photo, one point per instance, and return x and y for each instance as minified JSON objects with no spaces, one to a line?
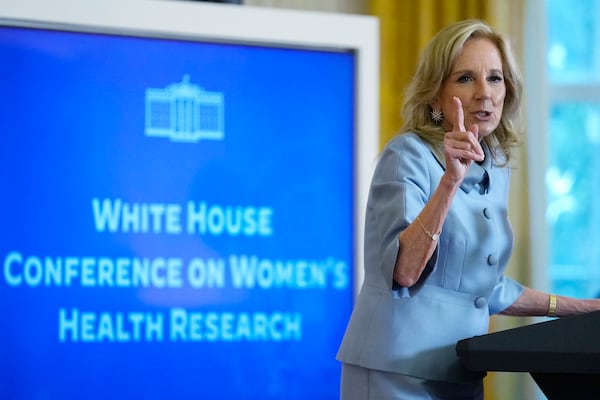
{"x":72,"y":125}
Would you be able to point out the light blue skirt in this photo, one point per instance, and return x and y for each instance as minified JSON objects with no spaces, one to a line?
{"x":360,"y":383}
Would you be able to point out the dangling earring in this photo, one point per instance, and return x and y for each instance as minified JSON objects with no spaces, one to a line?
{"x":437,"y":116}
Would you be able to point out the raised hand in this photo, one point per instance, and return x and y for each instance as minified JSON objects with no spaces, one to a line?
{"x":461,"y":147}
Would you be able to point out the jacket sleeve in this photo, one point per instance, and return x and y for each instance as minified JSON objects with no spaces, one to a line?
{"x":505,"y":293}
{"x":399,"y":190}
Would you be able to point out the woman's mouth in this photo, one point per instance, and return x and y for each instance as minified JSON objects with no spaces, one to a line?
{"x":482,"y":115}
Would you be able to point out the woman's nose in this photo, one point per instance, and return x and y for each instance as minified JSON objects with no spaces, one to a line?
{"x":483,"y":91}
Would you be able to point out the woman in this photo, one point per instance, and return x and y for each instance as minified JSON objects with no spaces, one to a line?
{"x":437,"y":235}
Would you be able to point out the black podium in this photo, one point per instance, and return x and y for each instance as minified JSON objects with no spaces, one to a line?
{"x":562,"y":355}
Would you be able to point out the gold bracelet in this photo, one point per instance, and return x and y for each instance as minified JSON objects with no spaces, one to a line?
{"x":552,"y":302}
{"x":433,"y":236}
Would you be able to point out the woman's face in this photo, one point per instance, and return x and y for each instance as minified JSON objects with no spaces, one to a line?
{"x":477,"y":79}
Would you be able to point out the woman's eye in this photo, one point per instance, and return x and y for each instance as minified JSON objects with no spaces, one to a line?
{"x":465,"y":79}
{"x":496,"y":78}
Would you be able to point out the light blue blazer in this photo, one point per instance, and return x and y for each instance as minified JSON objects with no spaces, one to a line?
{"x":413,"y":331}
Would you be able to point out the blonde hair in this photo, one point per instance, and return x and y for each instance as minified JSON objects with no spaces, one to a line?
{"x":435,"y":65}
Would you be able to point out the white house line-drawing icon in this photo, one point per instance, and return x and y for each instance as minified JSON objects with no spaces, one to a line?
{"x":184,"y":112}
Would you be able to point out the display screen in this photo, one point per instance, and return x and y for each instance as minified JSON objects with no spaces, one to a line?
{"x":176,"y":218}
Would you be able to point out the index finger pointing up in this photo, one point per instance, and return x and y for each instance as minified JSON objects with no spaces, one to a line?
{"x":459,"y":116}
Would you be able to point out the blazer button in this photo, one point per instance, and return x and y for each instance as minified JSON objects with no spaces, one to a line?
{"x":480,"y":302}
{"x":487,"y":213}
{"x":492,"y":259}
